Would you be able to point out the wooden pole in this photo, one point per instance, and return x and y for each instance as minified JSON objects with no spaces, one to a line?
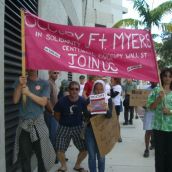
{"x":23,"y":50}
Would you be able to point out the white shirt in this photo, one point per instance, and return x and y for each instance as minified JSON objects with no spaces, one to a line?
{"x":81,"y":89}
{"x":107,"y":88}
{"x":116,"y":100}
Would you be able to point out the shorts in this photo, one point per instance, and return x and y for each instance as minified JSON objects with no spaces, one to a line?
{"x":118,"y":109}
{"x":64,"y":136}
{"x":148,"y":120}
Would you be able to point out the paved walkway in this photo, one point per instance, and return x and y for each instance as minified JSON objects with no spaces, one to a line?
{"x":125,"y":157}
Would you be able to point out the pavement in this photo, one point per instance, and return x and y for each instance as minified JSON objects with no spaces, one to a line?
{"x":125,"y":157}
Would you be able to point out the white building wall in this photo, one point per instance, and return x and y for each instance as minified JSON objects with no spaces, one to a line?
{"x":2,"y":127}
{"x":106,"y":12}
{"x":74,"y":10}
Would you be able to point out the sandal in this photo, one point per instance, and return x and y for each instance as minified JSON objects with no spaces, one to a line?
{"x":61,"y":170}
{"x":80,"y":169}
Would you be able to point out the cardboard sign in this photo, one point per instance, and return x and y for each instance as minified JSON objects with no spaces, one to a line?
{"x":139,"y":97}
{"x":106,"y":131}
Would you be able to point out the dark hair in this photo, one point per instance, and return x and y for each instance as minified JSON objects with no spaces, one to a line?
{"x":163,"y":72}
{"x":118,"y":80}
{"x":81,"y":77}
{"x":74,"y":83}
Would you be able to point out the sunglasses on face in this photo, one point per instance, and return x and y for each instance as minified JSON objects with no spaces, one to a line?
{"x":56,"y":73}
{"x":74,"y":89}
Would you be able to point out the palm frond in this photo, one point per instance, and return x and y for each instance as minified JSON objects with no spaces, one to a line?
{"x":158,"y":12}
{"x":144,"y":11}
{"x":127,"y":23}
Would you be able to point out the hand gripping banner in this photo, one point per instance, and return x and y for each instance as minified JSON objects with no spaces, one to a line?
{"x":125,"y":53}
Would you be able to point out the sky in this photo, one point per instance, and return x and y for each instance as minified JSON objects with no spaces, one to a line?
{"x":153,"y":3}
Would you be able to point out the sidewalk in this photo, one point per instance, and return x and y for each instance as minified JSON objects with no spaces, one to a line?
{"x":126,"y":156}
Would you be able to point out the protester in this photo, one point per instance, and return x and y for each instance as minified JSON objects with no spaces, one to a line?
{"x":49,"y":113}
{"x":82,"y":84}
{"x":98,"y":88}
{"x":88,"y":86}
{"x":147,"y":124}
{"x":116,"y":91}
{"x":68,"y":111}
{"x":32,"y":132}
{"x":129,"y":86}
{"x":63,"y":89}
{"x":160,"y":100}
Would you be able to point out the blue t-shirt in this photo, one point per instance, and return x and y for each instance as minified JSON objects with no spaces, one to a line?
{"x":32,"y":110}
{"x":71,"y":112}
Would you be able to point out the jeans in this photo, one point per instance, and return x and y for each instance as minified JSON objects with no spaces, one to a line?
{"x":25,"y":152}
{"x":93,"y":152}
{"x":52,"y":125}
{"x":163,"y":151}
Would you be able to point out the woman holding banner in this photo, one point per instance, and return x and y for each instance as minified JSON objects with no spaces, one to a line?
{"x":160,"y":100}
{"x":98,"y":88}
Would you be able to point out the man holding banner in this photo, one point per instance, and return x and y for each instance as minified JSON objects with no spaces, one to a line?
{"x":32,"y":132}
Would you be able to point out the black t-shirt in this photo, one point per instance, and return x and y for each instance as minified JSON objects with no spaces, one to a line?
{"x":71,"y":112}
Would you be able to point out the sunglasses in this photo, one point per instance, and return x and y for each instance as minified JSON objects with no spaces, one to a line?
{"x":74,"y":89}
{"x":56,"y":73}
{"x":167,"y":76}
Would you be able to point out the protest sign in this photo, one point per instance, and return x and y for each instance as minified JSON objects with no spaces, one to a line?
{"x":97,"y":103}
{"x":139,"y":97}
{"x":106,"y":131}
{"x":125,"y":53}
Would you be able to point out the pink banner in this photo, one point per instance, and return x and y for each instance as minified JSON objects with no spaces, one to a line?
{"x":122,"y":53}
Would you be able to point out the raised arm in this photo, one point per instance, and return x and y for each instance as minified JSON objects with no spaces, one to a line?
{"x":18,"y":90}
{"x":37,"y":99}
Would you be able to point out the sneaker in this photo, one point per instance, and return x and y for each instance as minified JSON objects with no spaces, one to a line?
{"x":125,"y":123}
{"x":151,"y":147}
{"x":146,"y":153}
{"x":131,"y":122}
